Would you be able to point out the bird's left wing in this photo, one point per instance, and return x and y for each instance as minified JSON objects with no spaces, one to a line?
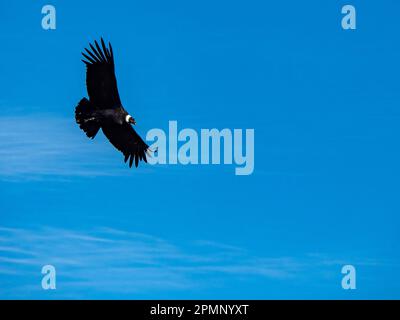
{"x":100,"y":76}
{"x":125,"y":139}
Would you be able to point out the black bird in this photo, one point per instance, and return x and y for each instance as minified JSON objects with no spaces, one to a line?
{"x":104,"y":109}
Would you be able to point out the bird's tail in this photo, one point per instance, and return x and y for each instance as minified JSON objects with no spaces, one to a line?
{"x":85,"y":118}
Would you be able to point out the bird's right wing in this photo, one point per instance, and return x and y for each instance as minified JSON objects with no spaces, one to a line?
{"x":125,"y":139}
{"x":100,"y":77}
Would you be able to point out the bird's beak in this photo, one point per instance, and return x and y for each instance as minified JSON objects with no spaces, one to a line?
{"x":133,"y":121}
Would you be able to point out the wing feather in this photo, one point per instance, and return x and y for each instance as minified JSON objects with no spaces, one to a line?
{"x":101,"y":82}
{"x":95,"y":52}
{"x":125,"y":139}
{"x":103,"y":45}
{"x":92,"y":56}
{"x":88,"y":58}
{"x":103,"y":58}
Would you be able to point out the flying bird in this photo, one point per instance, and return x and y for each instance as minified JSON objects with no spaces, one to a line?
{"x":104,"y":109}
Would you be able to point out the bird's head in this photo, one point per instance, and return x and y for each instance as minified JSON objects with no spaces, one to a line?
{"x":129,"y":119}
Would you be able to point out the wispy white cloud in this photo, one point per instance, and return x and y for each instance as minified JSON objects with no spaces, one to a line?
{"x":38,"y":147}
{"x":111,"y":260}
{"x":217,"y":245}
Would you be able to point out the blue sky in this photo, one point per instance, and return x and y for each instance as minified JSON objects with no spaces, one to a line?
{"x":324,"y":193}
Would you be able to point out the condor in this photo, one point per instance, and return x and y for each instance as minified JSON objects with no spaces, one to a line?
{"x":104,"y":110}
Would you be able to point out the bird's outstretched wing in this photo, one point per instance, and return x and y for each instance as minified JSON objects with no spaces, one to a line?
{"x":125,"y":139}
{"x":101,"y":83}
